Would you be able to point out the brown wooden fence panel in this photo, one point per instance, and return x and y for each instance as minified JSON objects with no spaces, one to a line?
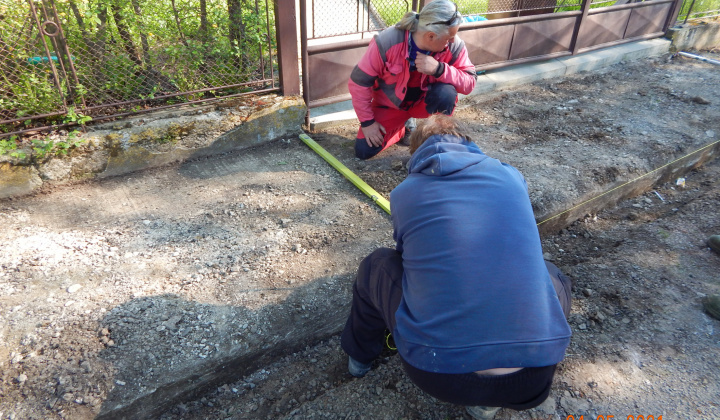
{"x":331,"y":64}
{"x":542,"y":37}
{"x":492,"y":43}
{"x":488,"y":44}
{"x":602,"y":28}
{"x":647,"y":20}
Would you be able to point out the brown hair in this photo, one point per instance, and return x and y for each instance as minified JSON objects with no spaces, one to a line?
{"x":438,"y":124}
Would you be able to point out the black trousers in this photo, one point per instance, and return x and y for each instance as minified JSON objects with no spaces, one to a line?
{"x":377,"y":292}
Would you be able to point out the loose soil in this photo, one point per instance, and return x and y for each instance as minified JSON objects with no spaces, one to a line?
{"x":104,"y":283}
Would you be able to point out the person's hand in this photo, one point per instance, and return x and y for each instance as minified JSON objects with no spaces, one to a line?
{"x":374,"y":134}
{"x":426,"y":64}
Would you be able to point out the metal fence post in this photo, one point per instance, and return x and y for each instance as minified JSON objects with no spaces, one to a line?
{"x":689,"y":12}
{"x":304,"y":52}
{"x":678,"y":7}
{"x":574,"y":47}
{"x":287,"y":41}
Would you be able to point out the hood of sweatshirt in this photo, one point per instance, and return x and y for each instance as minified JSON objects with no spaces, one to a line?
{"x":444,"y":154}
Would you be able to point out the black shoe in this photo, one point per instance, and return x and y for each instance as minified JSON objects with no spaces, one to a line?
{"x":711,"y":304}
{"x":410,"y":126}
{"x":714,"y":243}
{"x":479,"y":412}
{"x":358,"y":369}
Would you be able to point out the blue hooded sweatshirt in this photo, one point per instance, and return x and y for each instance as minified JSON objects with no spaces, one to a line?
{"x":476,"y":292}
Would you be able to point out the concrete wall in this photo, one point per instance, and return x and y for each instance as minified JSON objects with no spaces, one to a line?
{"x":156,"y":139}
{"x":699,"y":35}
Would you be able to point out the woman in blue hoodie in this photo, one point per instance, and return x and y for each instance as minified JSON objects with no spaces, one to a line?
{"x":478,"y":317}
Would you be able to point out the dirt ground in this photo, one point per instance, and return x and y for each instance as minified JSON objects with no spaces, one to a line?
{"x":104,"y":283}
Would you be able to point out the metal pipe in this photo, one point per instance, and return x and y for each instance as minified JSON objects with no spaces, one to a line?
{"x":135,"y":101}
{"x":347,"y":173}
{"x":126,"y":114}
{"x":338,"y":46}
{"x":699,"y":57}
{"x":269,"y":41}
{"x":304,"y":55}
{"x":47,"y":52}
{"x":68,"y":54}
{"x":579,"y":23}
{"x":692,"y":4}
{"x":516,"y":20}
{"x":330,"y":100}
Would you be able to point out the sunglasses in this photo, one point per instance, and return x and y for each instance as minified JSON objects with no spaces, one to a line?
{"x":449,"y":21}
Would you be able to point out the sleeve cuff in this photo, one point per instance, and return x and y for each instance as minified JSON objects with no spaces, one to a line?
{"x":367,"y":123}
{"x":440,"y":70}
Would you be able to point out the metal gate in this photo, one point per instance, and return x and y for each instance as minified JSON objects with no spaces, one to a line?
{"x":35,"y":81}
{"x":497,"y":33}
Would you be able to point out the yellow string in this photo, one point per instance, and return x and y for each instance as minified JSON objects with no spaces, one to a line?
{"x":387,"y":341}
{"x":629,"y":182}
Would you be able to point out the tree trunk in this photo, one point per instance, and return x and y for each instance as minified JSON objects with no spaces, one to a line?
{"x":236,"y":30}
{"x":143,"y":35}
{"x":205,"y":40}
{"x":179,"y":26}
{"x":125,"y":38}
{"x":204,"y":35}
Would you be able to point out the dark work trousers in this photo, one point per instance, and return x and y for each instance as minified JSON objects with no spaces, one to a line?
{"x":377,"y":292}
{"x":439,"y":99}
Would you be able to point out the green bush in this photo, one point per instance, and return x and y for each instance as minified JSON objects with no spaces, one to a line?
{"x":131,"y":50}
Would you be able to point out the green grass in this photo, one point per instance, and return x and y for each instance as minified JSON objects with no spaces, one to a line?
{"x":700,"y":8}
{"x":391,"y":11}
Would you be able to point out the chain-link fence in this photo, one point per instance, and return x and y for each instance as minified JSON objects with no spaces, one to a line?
{"x":329,"y":18}
{"x":65,"y":60}
{"x":699,"y":9}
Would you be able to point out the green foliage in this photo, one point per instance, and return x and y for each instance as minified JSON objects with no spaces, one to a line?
{"x":700,"y":8}
{"x":9,"y":147}
{"x":132,"y":50}
{"x":566,"y":6}
{"x":42,"y":148}
{"x":76,"y":117}
{"x":29,"y":93}
{"x":46,"y":148}
{"x":391,"y":11}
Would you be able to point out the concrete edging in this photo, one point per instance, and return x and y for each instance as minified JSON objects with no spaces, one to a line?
{"x":595,"y":201}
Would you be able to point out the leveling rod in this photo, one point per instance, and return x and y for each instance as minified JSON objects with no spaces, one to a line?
{"x":347,"y":173}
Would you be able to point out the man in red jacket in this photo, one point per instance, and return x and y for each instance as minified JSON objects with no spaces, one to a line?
{"x":411,"y":70}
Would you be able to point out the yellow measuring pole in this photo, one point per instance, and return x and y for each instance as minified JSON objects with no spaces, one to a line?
{"x":347,"y":173}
